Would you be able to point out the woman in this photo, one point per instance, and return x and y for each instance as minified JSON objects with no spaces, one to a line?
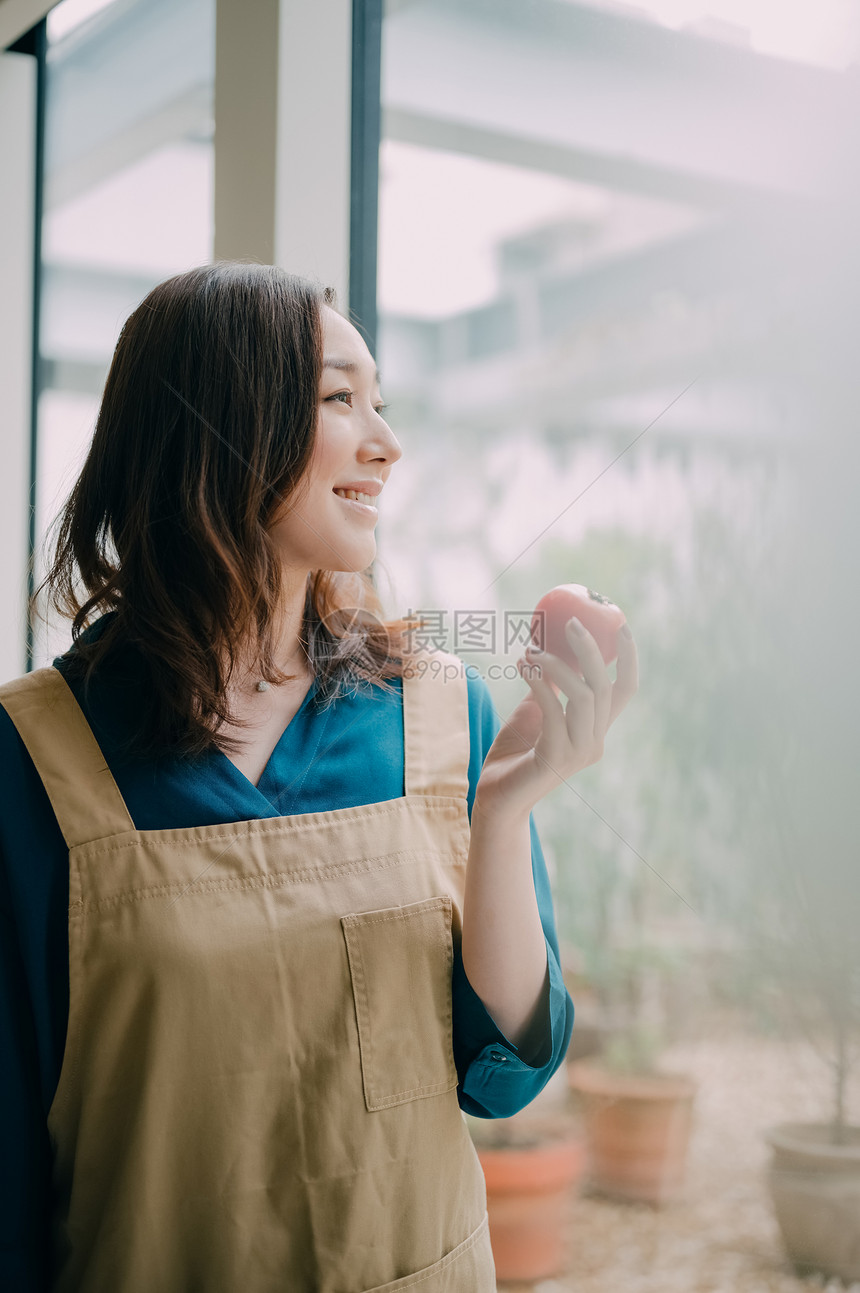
{"x":274,"y":909}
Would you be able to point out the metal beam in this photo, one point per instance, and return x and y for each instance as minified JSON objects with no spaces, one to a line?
{"x":18,"y":103}
{"x":184,"y":117}
{"x":631,"y":101}
{"x":364,"y":167}
{"x":102,"y":113}
{"x":620,"y":173}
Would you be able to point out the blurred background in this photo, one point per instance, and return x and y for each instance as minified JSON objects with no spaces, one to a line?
{"x":607,"y":257}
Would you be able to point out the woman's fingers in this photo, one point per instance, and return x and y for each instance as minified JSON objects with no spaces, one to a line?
{"x":595,"y":686}
{"x":578,"y":714}
{"x":591,"y":663}
{"x":593,"y":689}
{"x":626,"y":682}
{"x":532,"y":673}
{"x":572,"y":735}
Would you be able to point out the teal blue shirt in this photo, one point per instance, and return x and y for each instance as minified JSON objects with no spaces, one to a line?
{"x":340,"y":756}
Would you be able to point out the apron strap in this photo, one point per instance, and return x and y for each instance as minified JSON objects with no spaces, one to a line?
{"x":436,"y":725}
{"x":79,"y":784}
{"x":86,"y":798}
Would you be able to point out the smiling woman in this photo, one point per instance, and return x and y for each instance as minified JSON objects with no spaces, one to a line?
{"x":204,"y":515}
{"x":304,"y":928}
{"x":332,"y":521}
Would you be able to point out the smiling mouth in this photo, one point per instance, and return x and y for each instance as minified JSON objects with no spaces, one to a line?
{"x":352,"y":496}
{"x":357,"y":501}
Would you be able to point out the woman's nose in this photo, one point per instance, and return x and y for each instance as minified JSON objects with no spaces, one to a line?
{"x":385,"y":443}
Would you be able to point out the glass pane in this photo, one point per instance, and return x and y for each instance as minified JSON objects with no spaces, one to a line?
{"x":617,"y":253}
{"x":128,"y":201}
{"x":825,"y":34}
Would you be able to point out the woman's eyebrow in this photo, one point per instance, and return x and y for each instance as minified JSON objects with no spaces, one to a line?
{"x":347,"y":366}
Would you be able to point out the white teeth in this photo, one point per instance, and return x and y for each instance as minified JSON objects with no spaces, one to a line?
{"x":355,"y":496}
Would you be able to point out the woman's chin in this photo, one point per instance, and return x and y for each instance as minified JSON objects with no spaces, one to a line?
{"x":350,"y":561}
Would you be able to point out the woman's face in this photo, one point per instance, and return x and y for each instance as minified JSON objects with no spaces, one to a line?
{"x":354,"y":448}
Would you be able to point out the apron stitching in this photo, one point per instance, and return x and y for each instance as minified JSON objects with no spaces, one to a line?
{"x":70,"y":1056}
{"x":400,"y":1097}
{"x":362,"y":1015}
{"x":375,"y":1100}
{"x":449,"y":1258}
{"x":278,"y":879}
{"x":288,"y":826}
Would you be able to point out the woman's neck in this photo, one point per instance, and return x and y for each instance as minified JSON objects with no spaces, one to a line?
{"x":289,"y":653}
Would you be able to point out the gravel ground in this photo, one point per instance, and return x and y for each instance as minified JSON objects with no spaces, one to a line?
{"x":720,"y":1235}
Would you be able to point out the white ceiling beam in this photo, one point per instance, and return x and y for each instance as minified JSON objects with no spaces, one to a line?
{"x":282,"y":135}
{"x":314,"y":141}
{"x":246,"y":96}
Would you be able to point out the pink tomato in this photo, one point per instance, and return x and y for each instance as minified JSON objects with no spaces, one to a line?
{"x":598,"y":614}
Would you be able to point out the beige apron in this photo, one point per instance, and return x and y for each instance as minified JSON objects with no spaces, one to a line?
{"x":257,"y":1092}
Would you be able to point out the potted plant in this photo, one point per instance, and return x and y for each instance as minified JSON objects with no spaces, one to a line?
{"x":617,"y":912}
{"x":590,"y":1035}
{"x":803,"y":952}
{"x":533,"y":1163}
{"x":777,"y":606}
{"x":637,"y":1115}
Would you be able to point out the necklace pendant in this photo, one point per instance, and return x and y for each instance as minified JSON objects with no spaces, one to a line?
{"x":262,"y":685}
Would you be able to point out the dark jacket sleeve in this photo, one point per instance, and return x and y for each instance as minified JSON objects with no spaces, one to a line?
{"x":494,"y":1081}
{"x":34,"y":898}
{"x":25,"y":1159}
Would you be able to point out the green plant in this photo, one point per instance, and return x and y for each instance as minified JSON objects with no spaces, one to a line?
{"x":618,"y":908}
{"x":771,"y":739}
{"x":632,"y":980}
{"x":721,"y":818}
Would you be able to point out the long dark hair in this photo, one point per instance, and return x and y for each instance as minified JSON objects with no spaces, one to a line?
{"x":205,"y":429}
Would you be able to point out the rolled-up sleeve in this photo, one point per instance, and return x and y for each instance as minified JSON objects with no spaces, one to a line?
{"x":494,"y":1080}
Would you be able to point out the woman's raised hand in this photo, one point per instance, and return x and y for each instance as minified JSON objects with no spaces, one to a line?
{"x":546,"y":741}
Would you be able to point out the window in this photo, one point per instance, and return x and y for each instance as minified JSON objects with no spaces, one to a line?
{"x":127,"y":202}
{"x":595,"y":227}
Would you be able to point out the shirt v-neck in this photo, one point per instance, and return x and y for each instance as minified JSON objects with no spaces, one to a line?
{"x":340,"y":754}
{"x":282,"y":777}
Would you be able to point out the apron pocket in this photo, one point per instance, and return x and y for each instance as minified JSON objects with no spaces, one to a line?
{"x":400,"y":962}
{"x":468,"y":1266}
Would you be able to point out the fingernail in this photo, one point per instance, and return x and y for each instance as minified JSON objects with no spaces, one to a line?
{"x":625,"y":629}
{"x":533,"y":650}
{"x":574,"y":625}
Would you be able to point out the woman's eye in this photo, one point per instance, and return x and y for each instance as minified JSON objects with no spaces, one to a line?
{"x":346,"y":398}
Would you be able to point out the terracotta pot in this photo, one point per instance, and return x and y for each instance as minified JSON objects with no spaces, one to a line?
{"x":586,"y":1040}
{"x":637,"y":1131}
{"x":815,"y":1187}
{"x":528,"y":1193}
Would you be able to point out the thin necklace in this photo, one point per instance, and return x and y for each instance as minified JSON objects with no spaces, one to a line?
{"x":262,"y":685}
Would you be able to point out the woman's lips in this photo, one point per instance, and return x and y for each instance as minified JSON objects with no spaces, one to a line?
{"x":367,"y":509}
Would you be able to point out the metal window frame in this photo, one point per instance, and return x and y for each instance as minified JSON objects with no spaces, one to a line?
{"x":34,"y":43}
{"x":314,"y":205}
{"x":364,"y":166}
